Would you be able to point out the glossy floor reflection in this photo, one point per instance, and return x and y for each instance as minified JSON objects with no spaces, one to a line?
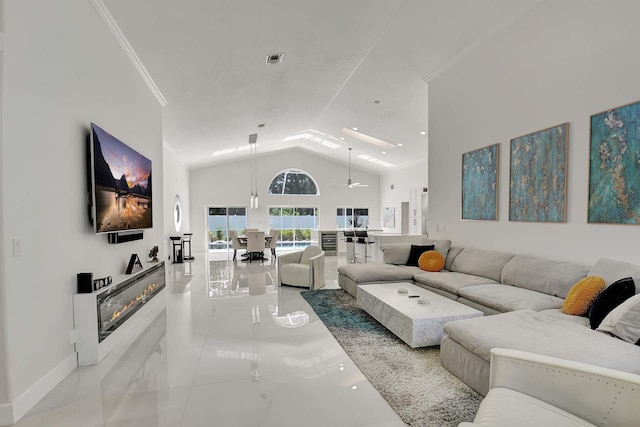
{"x":231,"y":349}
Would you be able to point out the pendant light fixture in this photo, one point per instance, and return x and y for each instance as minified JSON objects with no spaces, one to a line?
{"x":253,"y":199}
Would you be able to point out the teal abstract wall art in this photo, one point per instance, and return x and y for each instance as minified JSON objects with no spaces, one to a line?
{"x":480,"y":184}
{"x":614,"y":166}
{"x":538,"y":188}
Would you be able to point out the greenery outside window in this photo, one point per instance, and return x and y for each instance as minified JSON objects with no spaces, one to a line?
{"x":295,"y":225}
{"x":347,"y":217}
{"x":293,"y":181}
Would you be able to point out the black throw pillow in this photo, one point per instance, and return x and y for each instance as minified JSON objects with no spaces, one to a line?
{"x":416,"y":251}
{"x":614,"y":295}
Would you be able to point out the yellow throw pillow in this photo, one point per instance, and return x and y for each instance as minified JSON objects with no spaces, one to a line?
{"x":582,"y":295}
{"x":431,"y":261}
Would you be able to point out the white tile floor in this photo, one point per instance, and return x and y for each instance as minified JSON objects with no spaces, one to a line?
{"x":224,"y":353}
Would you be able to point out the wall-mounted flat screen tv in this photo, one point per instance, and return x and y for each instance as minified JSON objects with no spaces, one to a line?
{"x":121,"y":184}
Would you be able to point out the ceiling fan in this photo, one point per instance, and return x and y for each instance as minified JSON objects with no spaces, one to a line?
{"x":351,"y":184}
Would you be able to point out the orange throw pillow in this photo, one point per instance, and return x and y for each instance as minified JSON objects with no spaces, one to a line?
{"x":582,"y":295}
{"x":431,"y":261}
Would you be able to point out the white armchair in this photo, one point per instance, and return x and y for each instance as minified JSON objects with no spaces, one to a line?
{"x":304,"y":269}
{"x":527,"y":389}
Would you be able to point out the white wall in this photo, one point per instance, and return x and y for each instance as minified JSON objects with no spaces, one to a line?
{"x":176,"y":182}
{"x":229,"y":185}
{"x":62,"y":70}
{"x":3,"y":301}
{"x":562,"y":62}
{"x":402,"y":180}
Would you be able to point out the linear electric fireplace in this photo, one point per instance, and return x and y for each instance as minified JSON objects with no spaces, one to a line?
{"x":119,"y":303}
{"x":105,"y":317}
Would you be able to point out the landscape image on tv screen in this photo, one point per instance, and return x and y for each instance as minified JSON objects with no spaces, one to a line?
{"x":122,"y":185}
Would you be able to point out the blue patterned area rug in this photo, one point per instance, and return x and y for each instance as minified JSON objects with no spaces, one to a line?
{"x":413,"y":381}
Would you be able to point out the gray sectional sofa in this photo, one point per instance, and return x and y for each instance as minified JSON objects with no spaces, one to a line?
{"x":522,"y":297}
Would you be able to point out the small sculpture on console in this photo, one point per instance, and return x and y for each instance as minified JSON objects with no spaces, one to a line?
{"x":153,"y":254}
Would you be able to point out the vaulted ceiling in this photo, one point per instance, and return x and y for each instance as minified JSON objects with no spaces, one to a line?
{"x":346,"y":64}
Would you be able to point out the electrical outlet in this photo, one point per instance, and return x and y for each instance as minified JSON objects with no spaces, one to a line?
{"x":440,"y":228}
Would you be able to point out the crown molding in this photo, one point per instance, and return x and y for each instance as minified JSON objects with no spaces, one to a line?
{"x":124,"y":43}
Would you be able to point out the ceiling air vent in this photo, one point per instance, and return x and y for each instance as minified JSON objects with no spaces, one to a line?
{"x":275,"y":59}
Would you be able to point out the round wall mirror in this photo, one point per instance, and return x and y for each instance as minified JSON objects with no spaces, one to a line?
{"x":177,"y":213}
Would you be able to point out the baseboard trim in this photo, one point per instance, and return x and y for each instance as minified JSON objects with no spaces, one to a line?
{"x":6,"y":414}
{"x":11,"y":413}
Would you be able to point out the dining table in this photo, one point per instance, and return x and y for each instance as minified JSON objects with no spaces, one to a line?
{"x":245,"y":257}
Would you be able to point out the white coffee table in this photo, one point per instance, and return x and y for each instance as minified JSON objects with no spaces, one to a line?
{"x":418,"y":325}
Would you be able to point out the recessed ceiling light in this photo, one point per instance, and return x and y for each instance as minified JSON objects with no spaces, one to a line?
{"x":377,"y":101}
{"x":423,"y":133}
{"x":354,"y":128}
{"x":399,"y":145}
{"x":261,"y":125}
{"x":341,"y":139}
{"x":384,"y":152}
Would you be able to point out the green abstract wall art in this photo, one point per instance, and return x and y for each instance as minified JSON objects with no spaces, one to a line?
{"x":480,"y":184}
{"x":614,"y":168}
{"x":538,"y":188}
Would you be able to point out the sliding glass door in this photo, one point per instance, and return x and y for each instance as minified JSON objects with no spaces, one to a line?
{"x":295,"y":225}
{"x":220,"y":221}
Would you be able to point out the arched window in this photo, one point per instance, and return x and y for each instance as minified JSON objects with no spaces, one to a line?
{"x":293,"y":181}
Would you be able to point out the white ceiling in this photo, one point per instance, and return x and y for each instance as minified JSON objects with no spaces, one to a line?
{"x":208,"y":59}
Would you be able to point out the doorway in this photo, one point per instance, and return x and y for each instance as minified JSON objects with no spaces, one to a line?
{"x":221,"y":220}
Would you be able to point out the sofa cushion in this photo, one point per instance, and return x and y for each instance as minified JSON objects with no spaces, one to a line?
{"x":431,"y":261}
{"x":398,"y":253}
{"x":395,"y":253}
{"x":614,"y":295}
{"x":416,"y":252}
{"x":535,"y":332}
{"x":624,"y":321}
{"x":550,"y":277}
{"x":411,"y":269}
{"x":557,"y":313}
{"x":509,"y":298}
{"x":450,"y":281}
{"x":441,"y":245}
{"x":375,"y":272}
{"x":582,"y":295}
{"x":453,"y":253}
{"x":480,"y":262}
{"x":612,"y":271}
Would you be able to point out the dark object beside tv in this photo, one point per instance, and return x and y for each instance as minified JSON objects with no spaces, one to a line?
{"x":120,"y":185}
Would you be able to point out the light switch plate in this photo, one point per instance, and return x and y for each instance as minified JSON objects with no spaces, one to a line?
{"x":17,"y":247}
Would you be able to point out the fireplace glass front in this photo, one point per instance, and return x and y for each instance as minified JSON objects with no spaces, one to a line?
{"x":118,"y":303}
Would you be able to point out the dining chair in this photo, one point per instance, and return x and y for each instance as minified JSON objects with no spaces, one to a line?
{"x":237,"y":244}
{"x":255,"y":244}
{"x":275,"y":236}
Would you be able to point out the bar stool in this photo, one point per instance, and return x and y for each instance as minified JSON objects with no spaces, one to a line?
{"x":187,"y":254}
{"x":177,"y":249}
{"x":349,"y":235}
{"x":363,"y":239}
